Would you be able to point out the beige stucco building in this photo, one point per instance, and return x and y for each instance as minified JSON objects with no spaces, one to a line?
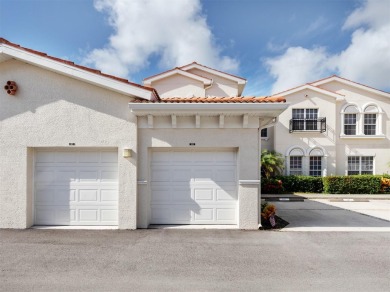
{"x":82,"y":148}
{"x":333,"y":126}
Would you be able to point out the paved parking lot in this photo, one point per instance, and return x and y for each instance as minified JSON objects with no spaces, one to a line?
{"x":193,"y":260}
{"x":335,"y":215}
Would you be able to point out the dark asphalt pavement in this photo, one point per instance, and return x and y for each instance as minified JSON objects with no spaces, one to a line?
{"x":193,"y":260}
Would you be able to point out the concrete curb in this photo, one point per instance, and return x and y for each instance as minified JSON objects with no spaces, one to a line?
{"x":329,"y":196}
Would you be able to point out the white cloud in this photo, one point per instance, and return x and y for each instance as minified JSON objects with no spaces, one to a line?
{"x":174,"y":30}
{"x":298,"y":66}
{"x":365,"y":60}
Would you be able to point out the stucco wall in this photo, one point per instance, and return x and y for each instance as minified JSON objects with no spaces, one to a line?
{"x":364,"y":146}
{"x":221,"y":86}
{"x":337,"y":148}
{"x":326,"y":108}
{"x":50,"y":110}
{"x":179,"y":86}
{"x":243,"y":140}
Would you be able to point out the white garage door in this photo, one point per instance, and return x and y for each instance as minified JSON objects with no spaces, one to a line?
{"x":194,"y":187}
{"x":76,"y":188}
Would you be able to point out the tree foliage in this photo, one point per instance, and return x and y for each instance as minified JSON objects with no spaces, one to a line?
{"x":272,"y":163}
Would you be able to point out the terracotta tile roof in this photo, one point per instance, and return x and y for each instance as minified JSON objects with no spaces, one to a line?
{"x":236,"y":99}
{"x":38,"y":53}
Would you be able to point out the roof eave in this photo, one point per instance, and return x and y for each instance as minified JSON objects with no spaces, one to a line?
{"x":337,"y":96}
{"x":239,"y":80}
{"x":77,"y":73}
{"x":350,"y":83}
{"x":165,"y":109}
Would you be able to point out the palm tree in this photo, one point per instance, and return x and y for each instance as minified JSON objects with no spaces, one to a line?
{"x":272,"y":163}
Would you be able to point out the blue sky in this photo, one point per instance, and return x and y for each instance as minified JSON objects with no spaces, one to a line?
{"x":275,"y":44}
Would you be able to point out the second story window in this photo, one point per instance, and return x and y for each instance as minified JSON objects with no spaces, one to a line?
{"x":363,"y":122}
{"x":307,"y":120}
{"x":350,"y":124}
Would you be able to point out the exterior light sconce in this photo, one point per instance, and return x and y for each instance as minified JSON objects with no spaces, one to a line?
{"x":126,"y":152}
{"x":11,"y":87}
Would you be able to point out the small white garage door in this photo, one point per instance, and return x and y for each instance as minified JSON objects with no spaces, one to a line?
{"x":194,"y":187}
{"x":76,"y":187}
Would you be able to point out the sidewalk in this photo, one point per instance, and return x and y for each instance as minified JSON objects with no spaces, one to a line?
{"x":329,"y":196}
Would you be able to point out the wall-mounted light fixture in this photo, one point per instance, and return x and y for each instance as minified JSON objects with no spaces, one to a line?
{"x":126,"y":152}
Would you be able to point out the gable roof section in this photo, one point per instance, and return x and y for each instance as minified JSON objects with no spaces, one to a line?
{"x":9,"y":50}
{"x":193,"y":65}
{"x":241,"y":82}
{"x":336,"y":95}
{"x":148,"y":81}
{"x":350,"y":83}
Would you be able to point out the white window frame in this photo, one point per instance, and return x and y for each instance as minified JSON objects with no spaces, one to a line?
{"x":360,"y":164}
{"x":305,"y":116}
{"x":369,"y":108}
{"x":266,"y":137}
{"x":297,"y":151}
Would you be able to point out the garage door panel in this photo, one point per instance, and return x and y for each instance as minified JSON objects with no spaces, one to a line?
{"x":161,"y":214}
{"x":109,"y":215}
{"x":76,"y":188}
{"x":88,"y":215}
{"x":204,"y":194}
{"x":190,"y":187}
{"x":90,"y":157}
{"x":65,"y":175}
{"x":225,"y":175}
{"x":88,"y":196}
{"x":226,"y":194}
{"x":110,"y":175}
{"x":109,"y":157}
{"x":181,"y":214}
{"x":44,"y":175}
{"x":181,"y":174}
{"x":226,"y":214}
{"x":66,"y":157}
{"x":181,"y":195}
{"x":107,"y":195}
{"x":204,"y":214}
{"x":160,"y":175}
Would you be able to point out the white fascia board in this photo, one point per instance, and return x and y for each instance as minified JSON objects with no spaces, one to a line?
{"x":215,"y":72}
{"x":310,"y":87}
{"x":252,"y":109}
{"x":206,"y":81}
{"x":77,"y":73}
{"x":352,"y":84}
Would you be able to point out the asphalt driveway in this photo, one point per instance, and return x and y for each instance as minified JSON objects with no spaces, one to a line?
{"x":193,"y":260}
{"x":335,"y":215}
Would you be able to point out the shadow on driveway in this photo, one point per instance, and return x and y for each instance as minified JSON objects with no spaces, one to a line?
{"x":317,"y":216}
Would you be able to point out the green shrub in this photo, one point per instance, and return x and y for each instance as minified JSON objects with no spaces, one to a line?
{"x":271,"y":186}
{"x":302,"y":184}
{"x":353,"y":184}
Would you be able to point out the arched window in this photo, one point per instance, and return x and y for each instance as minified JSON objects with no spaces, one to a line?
{"x":316,"y":162}
{"x":350,"y":120}
{"x":361,"y":123}
{"x":370,"y":126}
{"x":295,"y":161}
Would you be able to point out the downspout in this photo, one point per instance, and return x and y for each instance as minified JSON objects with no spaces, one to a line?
{"x":207,"y":87}
{"x":259,"y":169}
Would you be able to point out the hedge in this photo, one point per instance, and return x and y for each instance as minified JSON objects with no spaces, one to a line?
{"x":302,"y":184}
{"x":354,"y":184}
